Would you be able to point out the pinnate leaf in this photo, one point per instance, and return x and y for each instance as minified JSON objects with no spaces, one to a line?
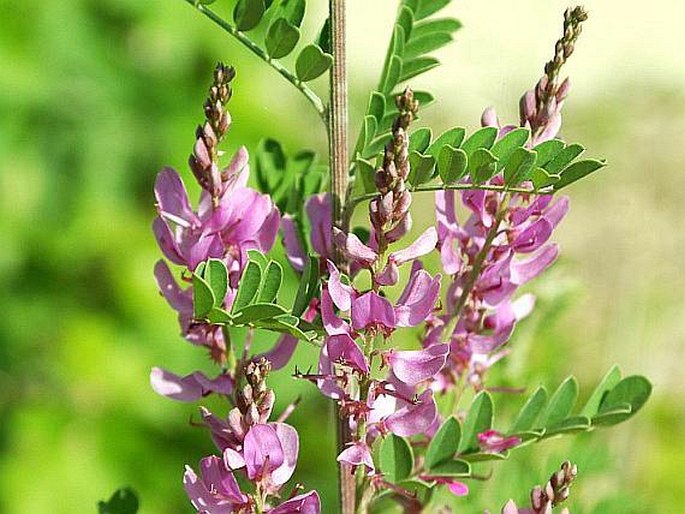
{"x":312,"y":63}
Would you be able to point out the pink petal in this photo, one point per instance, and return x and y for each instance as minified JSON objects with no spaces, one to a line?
{"x":489,"y":118}
{"x":458,"y":488}
{"x":303,"y":504}
{"x":412,"y":367}
{"x":319,"y":212}
{"x":418,"y":298}
{"x":413,"y":419}
{"x":184,"y":389}
{"x":263,"y":452}
{"x":358,"y":454}
{"x":172,"y":199}
{"x":371,"y":310}
{"x":342,"y":348}
{"x":290,"y":445}
{"x":341,"y":294}
{"x":332,"y":324}
{"x":423,"y":245}
{"x":524,"y":271}
{"x":167,"y":241}
{"x":533,"y":236}
{"x":179,"y":299}
{"x":293,"y":248}
{"x":353,"y":248}
{"x":556,"y":212}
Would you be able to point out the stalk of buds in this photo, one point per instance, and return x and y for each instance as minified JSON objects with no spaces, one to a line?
{"x":556,"y":491}
{"x":389,"y":212}
{"x":255,"y":401}
{"x":203,"y":160}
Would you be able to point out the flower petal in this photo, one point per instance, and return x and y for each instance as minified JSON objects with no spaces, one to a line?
{"x":415,"y":366}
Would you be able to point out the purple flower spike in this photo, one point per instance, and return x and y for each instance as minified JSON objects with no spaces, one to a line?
{"x":414,"y":418}
{"x":217,"y":491}
{"x":270,"y":453}
{"x":358,"y":454}
{"x":533,"y":236}
{"x":189,"y":388}
{"x":413,"y":367}
{"x":303,"y":504}
{"x":527,"y":270}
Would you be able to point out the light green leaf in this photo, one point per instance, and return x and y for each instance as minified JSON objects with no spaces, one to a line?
{"x":414,"y":67}
{"x":482,"y":138}
{"x":219,"y":317}
{"x":541,"y":178}
{"x":444,"y":444}
{"x":561,"y":403}
{"x":427,"y":43}
{"x":420,"y":139}
{"x":370,"y":127}
{"x":393,"y":74}
{"x":563,"y":158}
{"x":259,"y":258}
{"x":203,"y":298}
{"x":483,"y":456}
{"x":519,"y":166}
{"x":248,"y":13}
{"x":578,"y":170}
{"x":405,"y":19}
{"x":452,"y":137}
{"x":123,"y":501}
{"x":376,"y":106}
{"x":312,"y":63}
{"x":452,"y":468}
{"x":610,"y":380}
{"x":424,"y":98}
{"x":257,"y":311}
{"x":569,"y":425}
{"x":248,"y":286}
{"x":478,"y":420}
{"x":482,"y":165}
{"x":530,"y":411}
{"x":548,"y":150}
{"x":504,"y":148}
{"x":421,"y":490}
{"x":216,"y":277}
{"x":441,"y":25}
{"x":429,"y":7}
{"x":613,"y":416}
{"x":271,"y":283}
{"x":452,"y":163}
{"x":292,"y":10}
{"x":421,"y":168}
{"x":634,"y":391}
{"x":281,"y":38}
{"x":396,"y":458}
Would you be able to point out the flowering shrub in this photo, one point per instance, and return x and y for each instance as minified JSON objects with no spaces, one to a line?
{"x":405,"y":427}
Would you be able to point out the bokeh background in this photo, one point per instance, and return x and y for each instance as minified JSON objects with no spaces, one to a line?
{"x":97,"y":95}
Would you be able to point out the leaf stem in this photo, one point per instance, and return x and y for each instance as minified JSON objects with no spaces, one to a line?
{"x":310,"y":95}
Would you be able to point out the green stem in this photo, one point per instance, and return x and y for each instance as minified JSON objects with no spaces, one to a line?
{"x":310,"y":95}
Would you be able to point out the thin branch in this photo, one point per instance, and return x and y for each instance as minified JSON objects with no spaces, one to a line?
{"x":310,"y":95}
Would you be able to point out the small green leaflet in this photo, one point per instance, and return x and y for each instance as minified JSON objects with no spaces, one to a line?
{"x":444,"y":444}
{"x":530,"y":411}
{"x":421,"y":168}
{"x":248,"y":286}
{"x":452,"y":164}
{"x":482,"y":165}
{"x":248,"y":13}
{"x":396,"y":458}
{"x":478,"y":420}
{"x":482,"y":138}
{"x":312,"y":63}
{"x":281,"y":38}
{"x":420,"y":139}
{"x":561,"y":404}
{"x":519,"y":166}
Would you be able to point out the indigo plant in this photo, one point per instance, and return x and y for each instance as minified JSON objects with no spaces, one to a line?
{"x":412,"y":419}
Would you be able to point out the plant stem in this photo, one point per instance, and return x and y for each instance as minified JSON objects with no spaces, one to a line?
{"x":310,"y":95}
{"x":337,"y":138}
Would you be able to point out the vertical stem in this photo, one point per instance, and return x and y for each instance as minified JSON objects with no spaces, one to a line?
{"x":337,"y":138}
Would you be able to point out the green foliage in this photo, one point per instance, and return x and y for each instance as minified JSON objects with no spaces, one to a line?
{"x":123,"y":501}
{"x":248,"y":13}
{"x":281,"y":38}
{"x":444,"y":444}
{"x":452,"y":164}
{"x":309,"y":286}
{"x":312,"y":63}
{"x":396,"y":458}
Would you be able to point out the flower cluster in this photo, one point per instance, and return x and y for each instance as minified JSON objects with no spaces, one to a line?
{"x":555,"y":492}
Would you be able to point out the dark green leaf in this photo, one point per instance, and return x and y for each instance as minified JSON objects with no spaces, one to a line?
{"x":396,"y":458}
{"x":324,"y":40}
{"x":444,"y":444}
{"x":530,"y":411}
{"x":281,"y":38}
{"x":411,"y":69}
{"x":541,"y":178}
{"x":427,"y":43}
{"x":452,"y":469}
{"x":370,"y":127}
{"x":420,"y":139}
{"x":444,"y":25}
{"x":219,"y":317}
{"x":248,"y":13}
{"x":292,"y":10}
{"x":504,"y":148}
{"x":203,"y":298}
{"x":482,"y":165}
{"x":482,"y":138}
{"x":123,"y":501}
{"x":452,"y":164}
{"x":519,"y":166}
{"x":561,"y":403}
{"x":271,"y":283}
{"x":376,"y":106}
{"x":421,"y":168}
{"x":453,"y":137}
{"x":478,"y":420}
{"x":248,"y":286}
{"x":548,"y":150}
{"x":610,"y":380}
{"x":633,"y":390}
{"x":429,"y":7}
{"x":216,"y":277}
{"x":257,"y":311}
{"x":306,"y":289}
{"x":578,"y":170}
{"x":270,"y":164}
{"x":282,"y":326}
{"x":312,"y":63}
{"x":563,"y":158}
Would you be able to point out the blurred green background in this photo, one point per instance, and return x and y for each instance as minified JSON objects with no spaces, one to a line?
{"x":97,"y":95}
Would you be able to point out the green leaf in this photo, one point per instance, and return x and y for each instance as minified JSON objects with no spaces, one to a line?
{"x":376,"y":106}
{"x":393,"y":74}
{"x":569,"y":425}
{"x":444,"y":444}
{"x":541,"y":178}
{"x":377,"y":145}
{"x":259,"y":258}
{"x":324,"y":40}
{"x":548,"y":150}
{"x":427,"y":43}
{"x":420,"y":489}
{"x":370,"y":127}
{"x":308,"y":286}
{"x":563,"y":158}
{"x":452,"y":137}
{"x":452,"y":468}
{"x":483,"y":456}
{"x":482,"y":165}
{"x":424,"y":98}
{"x":414,"y":67}
{"x":530,"y":411}
{"x":257,"y":311}
{"x":634,"y":391}
{"x":482,"y":138}
{"x":441,"y":25}
{"x":561,"y":403}
{"x":219,"y":317}
{"x":248,"y":286}
{"x":405,"y":19}
{"x":123,"y":501}
{"x":478,"y":420}
{"x":282,"y":327}
{"x":452,"y":164}
{"x":312,"y":63}
{"x":421,"y":168}
{"x":281,"y":38}
{"x":613,"y":416}
{"x":420,"y":139}
{"x":271,"y":283}
{"x":610,"y":380}
{"x":504,"y":148}
{"x":248,"y":13}
{"x":216,"y":277}
{"x":203,"y":298}
{"x":365,"y":176}
{"x":396,"y":458}
{"x":292,"y":10}
{"x":429,"y":7}
{"x":578,"y":170}
{"x":519,"y":166}
{"x":270,"y":164}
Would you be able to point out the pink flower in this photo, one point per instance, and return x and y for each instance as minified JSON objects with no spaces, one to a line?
{"x":308,"y":503}
{"x":189,"y":388}
{"x":358,"y":454}
{"x":414,"y":418}
{"x":216,"y":490}
{"x":413,"y":367}
{"x":492,"y":441}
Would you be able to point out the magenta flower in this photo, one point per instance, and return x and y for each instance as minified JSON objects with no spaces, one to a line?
{"x":216,"y":490}
{"x":358,"y":454}
{"x":492,"y":441}
{"x":318,"y":209}
{"x":189,"y":388}
{"x":414,"y":418}
{"x":413,"y":367}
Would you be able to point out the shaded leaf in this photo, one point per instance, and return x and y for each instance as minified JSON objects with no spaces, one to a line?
{"x":271,"y":283}
{"x":292,"y":10}
{"x":257,"y":311}
{"x":216,"y":277}
{"x":393,"y":74}
{"x":427,"y":43}
{"x":541,"y":178}
{"x":396,"y":458}
{"x":420,"y":139}
{"x":563,"y":158}
{"x":281,"y":38}
{"x":529,"y":413}
{"x":561,"y":403}
{"x":610,"y":380}
{"x":312,"y":63}
{"x":307,"y":288}
{"x":482,"y":165}
{"x":633,"y":391}
{"x":519,"y":166}
{"x":427,"y":8}
{"x":478,"y":420}
{"x":548,"y":150}
{"x":248,"y":286}
{"x":444,"y":444}
{"x":248,"y":13}
{"x":324,"y":40}
{"x":452,"y":468}
{"x":421,"y":168}
{"x":123,"y":501}
{"x":441,"y":25}
{"x":569,"y":425}
{"x":376,"y":106}
{"x":203,"y":298}
{"x":219,"y":317}
{"x":578,"y":170}
{"x":414,"y":67}
{"x":482,"y":138}
{"x":504,"y":148}
{"x":453,"y":137}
